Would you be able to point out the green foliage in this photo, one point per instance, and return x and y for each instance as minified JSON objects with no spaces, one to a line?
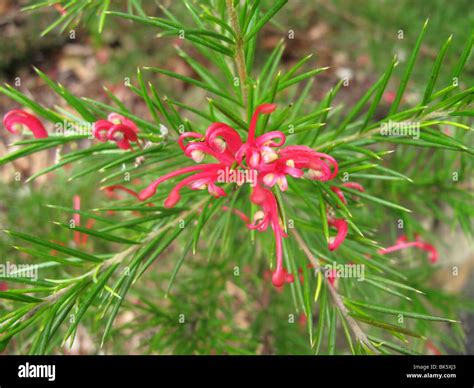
{"x":404,"y":178}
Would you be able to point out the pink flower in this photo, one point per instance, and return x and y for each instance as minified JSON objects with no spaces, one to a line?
{"x":220,"y":142}
{"x":80,"y":238}
{"x":258,"y":154}
{"x":100,"y":129}
{"x":256,"y":150}
{"x":85,"y":237}
{"x":332,"y":277}
{"x":268,"y":216}
{"x":116,"y":128}
{"x":320,"y":166}
{"x":291,"y":161}
{"x":389,"y":96}
{"x":403,"y":243}
{"x":204,"y":177}
{"x":110,"y":191}
{"x":302,"y":319}
{"x":3,"y":286}
{"x":354,"y":186}
{"x":350,"y":185}
{"x":16,"y":119}
{"x":339,"y":193}
{"x":341,"y":226}
{"x":268,"y":275}
{"x":54,"y":252}
{"x":238,"y":213}
{"x":117,"y":119}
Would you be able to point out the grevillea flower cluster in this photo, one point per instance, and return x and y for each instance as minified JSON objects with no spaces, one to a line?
{"x":266,"y":157}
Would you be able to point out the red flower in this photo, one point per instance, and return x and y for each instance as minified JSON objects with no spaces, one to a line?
{"x":389,"y":96}
{"x":116,"y":128}
{"x":321,"y":167}
{"x":403,"y":243}
{"x":350,"y":185}
{"x":110,"y":191}
{"x":257,"y":154}
{"x":256,"y":150}
{"x":341,"y":226}
{"x":80,"y":238}
{"x":332,"y":277}
{"x":85,"y":237}
{"x":203,"y":179}
{"x":100,"y":130}
{"x":16,"y":119}
{"x":268,"y":216}
{"x":238,"y":213}
{"x":354,"y":185}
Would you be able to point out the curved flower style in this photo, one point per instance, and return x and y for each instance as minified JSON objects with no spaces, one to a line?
{"x":341,"y":226}
{"x":204,"y":178}
{"x":221,"y":142}
{"x":402,"y":243}
{"x":110,"y":190}
{"x":354,"y":185}
{"x":238,"y":213}
{"x":100,"y":130}
{"x":256,"y":150}
{"x":261,"y":155}
{"x":116,"y":128}
{"x":16,"y":119}
{"x":350,"y":185}
{"x":291,"y":161}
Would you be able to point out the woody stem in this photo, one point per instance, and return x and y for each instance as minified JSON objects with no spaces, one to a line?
{"x":239,"y":50}
{"x":354,"y":326}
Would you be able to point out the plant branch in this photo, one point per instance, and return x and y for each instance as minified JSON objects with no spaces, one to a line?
{"x":354,"y":326}
{"x":118,"y":258}
{"x":239,"y":50}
